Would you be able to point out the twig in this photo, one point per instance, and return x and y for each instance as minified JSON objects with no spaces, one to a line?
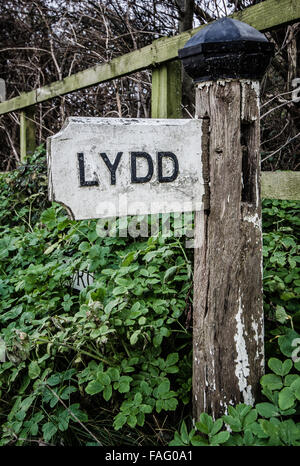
{"x":280,"y":148}
{"x":275,"y":97}
{"x":91,"y":355}
{"x":277,"y":135}
{"x":276,"y":108}
{"x":73,"y":415}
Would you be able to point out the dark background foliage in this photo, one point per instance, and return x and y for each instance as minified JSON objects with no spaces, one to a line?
{"x":43,"y":41}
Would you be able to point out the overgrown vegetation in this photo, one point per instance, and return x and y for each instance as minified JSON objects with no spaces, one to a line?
{"x":111,"y":364}
{"x":108,"y":355}
{"x":275,"y":419}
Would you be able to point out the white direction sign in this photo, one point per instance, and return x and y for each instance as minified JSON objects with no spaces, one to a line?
{"x":107,"y":167}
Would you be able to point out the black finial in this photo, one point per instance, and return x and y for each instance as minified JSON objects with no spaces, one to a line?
{"x":226,"y":48}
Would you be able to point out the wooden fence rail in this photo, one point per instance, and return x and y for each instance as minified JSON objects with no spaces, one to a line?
{"x":161,"y":58}
{"x":263,"y":16}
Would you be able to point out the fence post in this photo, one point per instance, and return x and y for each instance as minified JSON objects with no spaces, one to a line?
{"x":2,"y":90}
{"x":166,"y":90}
{"x":27,"y":132}
{"x":228,"y":326}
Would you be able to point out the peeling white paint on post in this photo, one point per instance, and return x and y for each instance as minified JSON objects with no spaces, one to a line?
{"x":107,"y":167}
{"x":242,"y":370}
{"x":245,"y":83}
{"x":254,"y":219}
{"x":2,"y":90}
{"x":258,"y":329}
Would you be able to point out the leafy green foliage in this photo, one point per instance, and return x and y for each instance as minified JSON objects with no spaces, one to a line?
{"x":281,"y":254}
{"x":23,"y":192}
{"x":272,"y":421}
{"x":103,"y":361}
{"x":268,"y":423}
{"x":113,"y":347}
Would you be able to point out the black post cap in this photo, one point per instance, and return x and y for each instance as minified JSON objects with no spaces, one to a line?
{"x":226,"y":48}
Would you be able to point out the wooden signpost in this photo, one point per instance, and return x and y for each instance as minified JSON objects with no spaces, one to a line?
{"x":226,"y":60}
{"x":112,"y":167}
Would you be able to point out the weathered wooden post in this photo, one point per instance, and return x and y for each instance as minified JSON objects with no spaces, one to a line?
{"x":226,"y":59}
{"x":27,"y":132}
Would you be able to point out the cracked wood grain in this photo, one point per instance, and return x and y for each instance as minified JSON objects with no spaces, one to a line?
{"x":228,"y":358}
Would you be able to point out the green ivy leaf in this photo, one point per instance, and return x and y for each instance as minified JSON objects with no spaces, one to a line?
{"x":119,"y":421}
{"x":63,"y":420}
{"x":271,"y":381}
{"x":34,"y":370}
{"x":216,"y":427}
{"x":289,"y":379}
{"x":54,"y":380}
{"x":286,"y":398}
{"x":170,"y":272}
{"x":248,"y":438}
{"x":172,"y":359}
{"x":27,"y":402}
{"x":219,"y":438}
{"x":113,"y":373}
{"x":287,"y":366}
{"x":295,"y":387}
{"x":103,"y":378}
{"x":198,"y":441}
{"x":163,"y":388}
{"x":134,"y":337}
{"x":286,"y":342}
{"x":49,"y":430}
{"x":250,"y":418}
{"x":132,"y":420}
{"x":107,"y":392}
{"x":84,"y":246}
{"x":205,"y":423}
{"x":159,"y":405}
{"x":124,"y":385}
{"x":297,"y":365}
{"x":65,"y":395}
{"x":80,"y":415}
{"x":280,"y":368}
{"x":267,"y":410}
{"x":140,"y":417}
{"x":177,"y":442}
{"x":281,"y":315}
{"x":170,"y":404}
{"x":94,"y":387}
{"x":157,"y":340}
{"x":184,"y":433}
{"x":233,"y":422}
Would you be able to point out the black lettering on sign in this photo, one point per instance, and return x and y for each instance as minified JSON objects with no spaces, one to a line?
{"x":112,"y":167}
{"x":141,"y":179}
{"x":161,"y":177}
{"x":82,"y":180}
{"x":80,"y":276}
